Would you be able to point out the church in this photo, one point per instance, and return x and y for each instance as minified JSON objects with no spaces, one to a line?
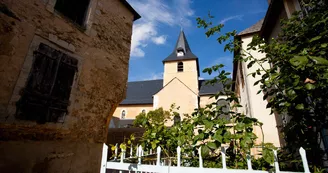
{"x":180,"y":86}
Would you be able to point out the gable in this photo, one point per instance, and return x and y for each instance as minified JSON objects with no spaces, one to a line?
{"x":176,"y":92}
{"x":177,"y":83}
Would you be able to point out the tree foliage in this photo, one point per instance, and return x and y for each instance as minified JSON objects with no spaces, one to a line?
{"x":209,"y":128}
{"x":295,"y":85}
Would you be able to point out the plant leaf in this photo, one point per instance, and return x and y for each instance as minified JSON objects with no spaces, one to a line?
{"x":299,"y":61}
{"x":319,"y":60}
{"x":268,"y":155}
{"x":309,"y":86}
{"x":205,"y":151}
{"x":212,"y":145}
{"x":300,"y":107}
{"x":315,"y":38}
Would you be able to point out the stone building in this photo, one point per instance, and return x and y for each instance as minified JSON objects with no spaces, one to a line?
{"x":180,"y":86}
{"x":63,"y":71}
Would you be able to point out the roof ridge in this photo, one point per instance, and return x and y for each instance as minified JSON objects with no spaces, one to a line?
{"x":145,"y":80}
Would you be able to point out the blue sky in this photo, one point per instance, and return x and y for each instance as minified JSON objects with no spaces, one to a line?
{"x":155,"y":34}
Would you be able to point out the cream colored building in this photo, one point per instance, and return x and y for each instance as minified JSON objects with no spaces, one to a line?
{"x":253,"y":103}
{"x":180,"y":85}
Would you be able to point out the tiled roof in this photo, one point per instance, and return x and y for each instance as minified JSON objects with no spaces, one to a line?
{"x":254,"y":28}
{"x":209,"y":89}
{"x":141,"y":92}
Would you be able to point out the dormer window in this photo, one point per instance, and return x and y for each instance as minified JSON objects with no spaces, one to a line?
{"x":180,"y":66}
{"x":75,"y":10}
{"x":180,"y":52}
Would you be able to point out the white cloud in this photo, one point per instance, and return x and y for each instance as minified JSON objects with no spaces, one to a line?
{"x":159,"y":40}
{"x":236,"y":17}
{"x":154,"y":76}
{"x":153,"y":13}
{"x":141,"y":33}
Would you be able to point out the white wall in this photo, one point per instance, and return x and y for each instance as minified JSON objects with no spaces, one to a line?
{"x":256,"y":104}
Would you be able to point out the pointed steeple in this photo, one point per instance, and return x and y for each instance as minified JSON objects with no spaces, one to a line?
{"x":181,"y":50}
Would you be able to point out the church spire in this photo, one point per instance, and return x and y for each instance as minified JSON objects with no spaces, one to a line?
{"x":181,"y":50}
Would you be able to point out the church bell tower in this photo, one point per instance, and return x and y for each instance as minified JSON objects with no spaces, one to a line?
{"x":182,"y":64}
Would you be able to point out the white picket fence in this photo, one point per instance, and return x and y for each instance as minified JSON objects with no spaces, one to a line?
{"x":119,"y":165}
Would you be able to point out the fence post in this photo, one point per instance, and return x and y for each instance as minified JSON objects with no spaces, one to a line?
{"x":276,"y":163}
{"x":200,"y":157}
{"x":131,"y":152}
{"x":158,"y":161}
{"x":116,"y":148}
{"x":179,"y":156}
{"x":224,"y":163}
{"x":137,"y":150}
{"x":304,"y":160}
{"x":122,"y":156}
{"x":249,"y":162}
{"x":139,"y":154}
{"x":104,"y":159}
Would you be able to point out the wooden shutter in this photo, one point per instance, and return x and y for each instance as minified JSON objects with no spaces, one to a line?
{"x":46,"y":95}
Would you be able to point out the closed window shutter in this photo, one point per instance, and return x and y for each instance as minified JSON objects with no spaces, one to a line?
{"x":46,"y":95}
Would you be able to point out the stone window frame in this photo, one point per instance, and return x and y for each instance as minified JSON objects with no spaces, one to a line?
{"x":89,"y":17}
{"x":24,"y":74}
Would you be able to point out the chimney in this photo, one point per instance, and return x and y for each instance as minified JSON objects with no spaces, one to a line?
{"x":269,"y":1}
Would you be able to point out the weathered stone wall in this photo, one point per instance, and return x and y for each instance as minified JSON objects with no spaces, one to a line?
{"x":102,"y":49}
{"x":52,"y":156}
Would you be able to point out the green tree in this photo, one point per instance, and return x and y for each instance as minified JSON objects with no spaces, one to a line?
{"x":296,"y":85}
{"x":208,"y":128}
{"x":157,"y":133}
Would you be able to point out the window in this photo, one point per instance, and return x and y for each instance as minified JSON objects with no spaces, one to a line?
{"x":143,"y":111}
{"x":45,"y":97}
{"x":225,"y":108}
{"x":75,"y":10}
{"x":123,"y":114}
{"x":176,"y":119}
{"x":180,"y":51}
{"x":224,"y":104}
{"x":180,"y":66}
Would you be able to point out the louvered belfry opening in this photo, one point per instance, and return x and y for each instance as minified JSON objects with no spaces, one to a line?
{"x":180,"y":66}
{"x":45,"y":97}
